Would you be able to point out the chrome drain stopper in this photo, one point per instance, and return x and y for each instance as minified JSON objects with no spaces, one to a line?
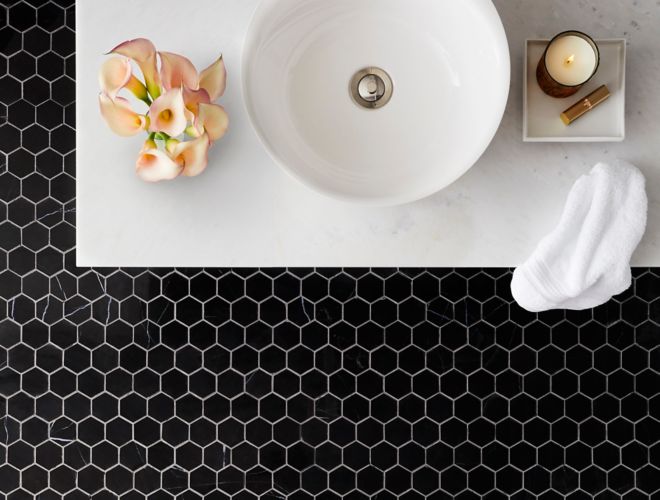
{"x":371,"y":88}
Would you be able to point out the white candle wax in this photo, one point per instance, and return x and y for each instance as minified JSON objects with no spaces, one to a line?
{"x":571,"y":60}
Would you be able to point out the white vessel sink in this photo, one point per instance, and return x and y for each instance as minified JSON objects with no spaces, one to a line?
{"x":428,"y":103}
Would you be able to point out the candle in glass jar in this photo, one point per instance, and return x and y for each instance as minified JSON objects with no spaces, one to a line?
{"x":571,"y":60}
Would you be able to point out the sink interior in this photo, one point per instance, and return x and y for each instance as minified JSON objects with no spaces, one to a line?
{"x":448,"y":66}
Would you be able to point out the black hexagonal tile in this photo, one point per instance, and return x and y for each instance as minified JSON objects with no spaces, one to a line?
{"x":22,"y":65}
{"x":36,"y":41}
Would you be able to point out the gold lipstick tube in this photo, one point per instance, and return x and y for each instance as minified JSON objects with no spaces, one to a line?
{"x":585,"y":105}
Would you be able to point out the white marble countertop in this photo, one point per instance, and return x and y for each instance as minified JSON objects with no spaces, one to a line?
{"x":245,"y":212}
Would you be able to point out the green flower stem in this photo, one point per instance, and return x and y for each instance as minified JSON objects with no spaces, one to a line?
{"x":138,"y":89}
{"x":153,"y":89}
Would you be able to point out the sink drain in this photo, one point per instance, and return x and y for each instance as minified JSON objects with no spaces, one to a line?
{"x":371,"y":88}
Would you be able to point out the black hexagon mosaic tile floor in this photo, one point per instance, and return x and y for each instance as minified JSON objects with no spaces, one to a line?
{"x":292,"y":384}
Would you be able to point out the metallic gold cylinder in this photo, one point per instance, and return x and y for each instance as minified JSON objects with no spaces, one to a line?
{"x":585,"y":105}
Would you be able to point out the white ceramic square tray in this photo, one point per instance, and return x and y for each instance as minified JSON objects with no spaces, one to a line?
{"x":606,"y":123}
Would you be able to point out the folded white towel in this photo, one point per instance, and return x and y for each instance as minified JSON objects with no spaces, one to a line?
{"x":585,"y":261}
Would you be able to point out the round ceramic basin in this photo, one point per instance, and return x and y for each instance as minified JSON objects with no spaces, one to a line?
{"x":379,"y":102}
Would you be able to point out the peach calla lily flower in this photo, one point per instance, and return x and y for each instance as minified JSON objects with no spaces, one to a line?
{"x":120,"y":117}
{"x":182,"y":122}
{"x":212,"y":119}
{"x":214,"y":79}
{"x":168,"y":113}
{"x":143,"y":52}
{"x":116,"y":74}
{"x":192,"y":155}
{"x":177,"y":71}
{"x":154,"y":165}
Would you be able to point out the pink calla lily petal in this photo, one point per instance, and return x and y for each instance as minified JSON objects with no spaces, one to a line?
{"x":139,"y":49}
{"x":214,"y":120}
{"x":177,"y":71}
{"x":120,"y":117}
{"x":193,"y":155}
{"x":117,"y":74}
{"x":214,"y":79}
{"x":168,"y":113}
{"x":143,"y":52}
{"x":192,"y":99}
{"x":154,"y":165}
{"x":114,"y":75}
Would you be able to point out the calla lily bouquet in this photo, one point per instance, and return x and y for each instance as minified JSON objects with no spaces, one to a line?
{"x":181,"y":121}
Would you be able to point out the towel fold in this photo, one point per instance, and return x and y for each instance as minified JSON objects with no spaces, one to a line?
{"x":585,"y":261}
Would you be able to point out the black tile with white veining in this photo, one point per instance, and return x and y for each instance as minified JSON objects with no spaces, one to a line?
{"x":298,"y":383}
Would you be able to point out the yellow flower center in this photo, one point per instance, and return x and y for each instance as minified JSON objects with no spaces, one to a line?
{"x":166,"y":115}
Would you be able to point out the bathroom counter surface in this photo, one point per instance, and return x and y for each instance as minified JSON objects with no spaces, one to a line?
{"x":245,"y":212}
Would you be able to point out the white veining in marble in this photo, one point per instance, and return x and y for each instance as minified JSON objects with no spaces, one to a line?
{"x":245,"y":212}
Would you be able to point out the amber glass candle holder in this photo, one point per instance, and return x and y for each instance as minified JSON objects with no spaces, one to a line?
{"x":551,"y":86}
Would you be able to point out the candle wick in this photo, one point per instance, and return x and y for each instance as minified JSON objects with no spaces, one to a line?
{"x":570,"y":60}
